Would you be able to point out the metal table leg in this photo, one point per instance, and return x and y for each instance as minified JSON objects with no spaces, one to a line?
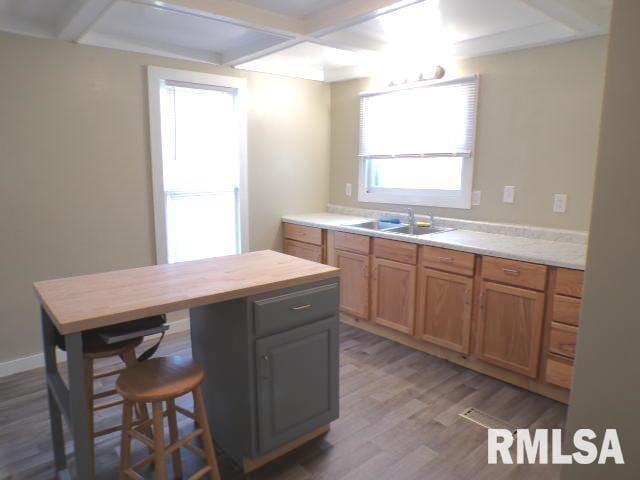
{"x":71,"y":401}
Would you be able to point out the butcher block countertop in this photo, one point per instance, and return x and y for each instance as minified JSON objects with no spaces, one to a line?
{"x":81,"y":303}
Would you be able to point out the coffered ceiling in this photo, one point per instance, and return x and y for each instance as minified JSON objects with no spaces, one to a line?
{"x":325,"y":40}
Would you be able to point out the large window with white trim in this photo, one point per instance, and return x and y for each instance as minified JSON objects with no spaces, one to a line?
{"x":416,"y":143}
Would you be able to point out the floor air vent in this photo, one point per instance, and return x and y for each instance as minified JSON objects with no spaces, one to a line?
{"x":485,"y":420}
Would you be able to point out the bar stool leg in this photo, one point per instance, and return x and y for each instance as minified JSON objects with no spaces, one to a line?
{"x":173,"y":433}
{"x":158,"y":440}
{"x":201,"y":419}
{"x":125,"y":442}
{"x":130,"y":360}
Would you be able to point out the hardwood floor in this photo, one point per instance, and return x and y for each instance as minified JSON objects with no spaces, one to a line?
{"x":399,"y":419}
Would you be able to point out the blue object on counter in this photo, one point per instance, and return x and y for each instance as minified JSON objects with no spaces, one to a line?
{"x":389,"y":220}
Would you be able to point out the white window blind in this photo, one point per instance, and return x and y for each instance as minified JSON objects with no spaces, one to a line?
{"x":416,"y":143}
{"x":433,"y":120}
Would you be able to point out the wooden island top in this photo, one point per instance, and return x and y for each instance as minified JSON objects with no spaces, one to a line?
{"x":84,"y":302}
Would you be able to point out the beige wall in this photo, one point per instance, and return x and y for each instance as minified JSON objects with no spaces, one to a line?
{"x":75,"y":177}
{"x":606,"y":387}
{"x":538,"y":119}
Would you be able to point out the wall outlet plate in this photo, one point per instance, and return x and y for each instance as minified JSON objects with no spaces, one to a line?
{"x":560,"y":203}
{"x":347,"y":190}
{"x":476,"y":196}
{"x":509,"y":194}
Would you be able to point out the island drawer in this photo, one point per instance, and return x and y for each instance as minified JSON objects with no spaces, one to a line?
{"x":290,"y":309}
{"x":447,"y":260}
{"x":512,"y":272}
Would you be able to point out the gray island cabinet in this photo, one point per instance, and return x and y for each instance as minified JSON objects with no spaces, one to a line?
{"x":271,"y":364}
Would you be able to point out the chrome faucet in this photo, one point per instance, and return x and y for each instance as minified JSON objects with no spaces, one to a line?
{"x":412,"y":217}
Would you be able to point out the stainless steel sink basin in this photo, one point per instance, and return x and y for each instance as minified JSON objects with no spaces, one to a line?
{"x":376,"y":225}
{"x":414,"y":230}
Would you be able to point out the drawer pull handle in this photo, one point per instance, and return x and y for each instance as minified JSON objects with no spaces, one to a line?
{"x":446,"y":259}
{"x":511,"y":271}
{"x":301,"y":307}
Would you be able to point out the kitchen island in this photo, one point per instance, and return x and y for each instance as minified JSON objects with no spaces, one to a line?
{"x":282,"y":300}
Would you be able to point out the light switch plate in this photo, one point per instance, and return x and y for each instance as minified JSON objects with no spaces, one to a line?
{"x":509,"y":194}
{"x":347,"y":190}
{"x":476,"y":196}
{"x":560,"y":203}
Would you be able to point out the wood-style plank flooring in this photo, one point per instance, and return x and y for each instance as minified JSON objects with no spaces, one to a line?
{"x":399,"y":420}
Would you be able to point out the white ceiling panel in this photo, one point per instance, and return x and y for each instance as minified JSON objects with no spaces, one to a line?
{"x":294,"y":8}
{"x":32,"y":17}
{"x":177,"y":32}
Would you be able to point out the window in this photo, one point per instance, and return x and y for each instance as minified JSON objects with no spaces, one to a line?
{"x":197,"y":126}
{"x":416,"y":144}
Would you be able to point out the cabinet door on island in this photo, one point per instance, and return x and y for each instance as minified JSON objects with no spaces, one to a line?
{"x":443,"y":313}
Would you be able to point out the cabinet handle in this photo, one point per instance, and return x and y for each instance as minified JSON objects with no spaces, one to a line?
{"x":445,"y":259}
{"x":511,"y":271}
{"x":482,"y":300}
{"x":301,"y":307}
{"x":266,"y":374}
{"x":466,"y":297}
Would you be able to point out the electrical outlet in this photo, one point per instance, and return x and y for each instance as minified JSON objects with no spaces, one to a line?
{"x":347,"y":190}
{"x":560,"y":203}
{"x":509,"y":194}
{"x":475,"y":197}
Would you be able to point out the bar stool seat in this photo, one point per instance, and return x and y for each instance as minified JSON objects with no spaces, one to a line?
{"x":159,"y":381}
{"x":159,"y":378}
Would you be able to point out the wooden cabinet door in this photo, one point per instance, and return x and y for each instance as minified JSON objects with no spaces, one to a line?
{"x":510,"y":327}
{"x":393,"y":294}
{"x":303,"y":250}
{"x":354,"y":283}
{"x":443,"y":313}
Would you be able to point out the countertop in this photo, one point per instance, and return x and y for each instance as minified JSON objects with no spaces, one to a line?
{"x":84,"y":302}
{"x":546,"y":252}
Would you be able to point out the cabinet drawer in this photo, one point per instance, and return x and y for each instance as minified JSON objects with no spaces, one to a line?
{"x":351,"y":242}
{"x":281,"y":312}
{"x":303,"y":234}
{"x":566,"y":310}
{"x":394,"y":250}
{"x":562,"y":339}
{"x":559,"y":371}
{"x":569,"y":282}
{"x":447,"y":260}
{"x":303,"y":250}
{"x":511,"y":272}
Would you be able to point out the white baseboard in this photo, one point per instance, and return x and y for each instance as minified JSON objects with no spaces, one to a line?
{"x":178,"y":322}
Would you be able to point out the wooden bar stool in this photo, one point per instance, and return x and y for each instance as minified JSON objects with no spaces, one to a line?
{"x":156,"y":381}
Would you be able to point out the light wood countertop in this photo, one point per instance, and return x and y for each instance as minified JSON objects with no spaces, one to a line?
{"x":81,"y":303}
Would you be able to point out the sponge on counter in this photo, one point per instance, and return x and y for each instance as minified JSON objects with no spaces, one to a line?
{"x":423,"y":224}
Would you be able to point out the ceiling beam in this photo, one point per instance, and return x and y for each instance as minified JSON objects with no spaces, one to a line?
{"x":577,"y":15}
{"x":79,"y":16}
{"x":234,"y":13}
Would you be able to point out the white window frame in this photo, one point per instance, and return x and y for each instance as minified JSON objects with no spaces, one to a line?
{"x":155,"y":77}
{"x":430,"y":198}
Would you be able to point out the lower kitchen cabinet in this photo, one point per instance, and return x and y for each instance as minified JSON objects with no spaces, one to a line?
{"x":354,"y":283}
{"x":393,"y":290}
{"x":443,"y":314}
{"x":303,"y":250}
{"x":509,"y":328}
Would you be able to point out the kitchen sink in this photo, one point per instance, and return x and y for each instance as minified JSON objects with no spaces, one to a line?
{"x":376,"y":225}
{"x":415,"y":230}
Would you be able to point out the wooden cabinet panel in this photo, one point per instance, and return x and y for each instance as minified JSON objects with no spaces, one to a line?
{"x":562,"y":339}
{"x":566,"y":310}
{"x":511,"y":272}
{"x":302,"y":233}
{"x":351,"y":242}
{"x":443,"y":314}
{"x":303,"y":250}
{"x":354,"y":283}
{"x":509,"y":327}
{"x":447,"y":260}
{"x":569,"y":282}
{"x":559,"y":371}
{"x":393,"y":290}
{"x":393,"y":250}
